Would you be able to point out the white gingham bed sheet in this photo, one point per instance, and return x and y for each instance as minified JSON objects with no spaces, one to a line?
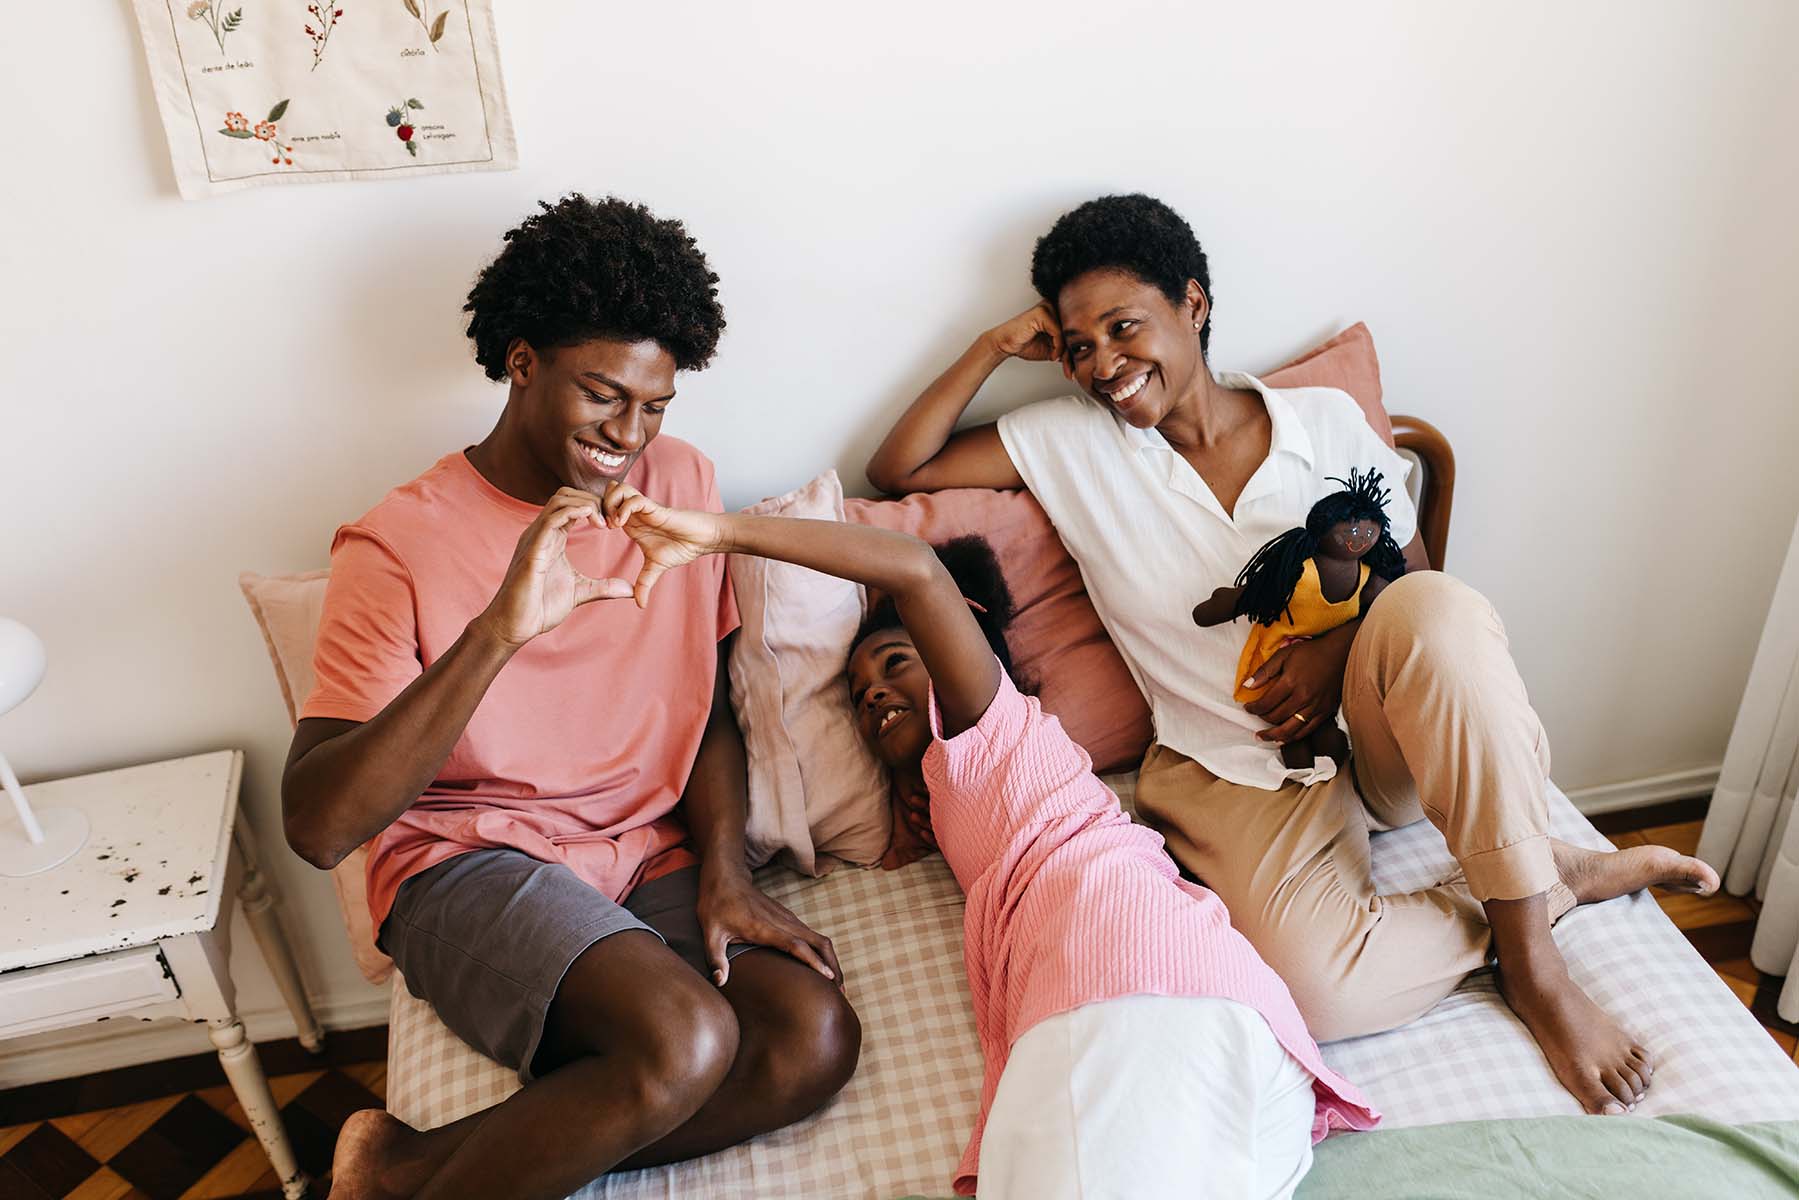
{"x":900,"y":1125}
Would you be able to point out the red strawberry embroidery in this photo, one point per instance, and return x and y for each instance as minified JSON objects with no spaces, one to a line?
{"x":403,"y":128}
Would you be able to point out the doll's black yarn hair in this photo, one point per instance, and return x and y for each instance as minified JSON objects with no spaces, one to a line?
{"x":1272,"y":575}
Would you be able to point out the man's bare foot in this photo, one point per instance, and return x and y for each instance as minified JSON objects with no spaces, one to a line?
{"x":1594,"y":875}
{"x":1598,"y":1062}
{"x":369,"y":1162}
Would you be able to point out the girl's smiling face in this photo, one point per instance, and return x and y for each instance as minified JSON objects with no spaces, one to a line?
{"x":890,"y":697}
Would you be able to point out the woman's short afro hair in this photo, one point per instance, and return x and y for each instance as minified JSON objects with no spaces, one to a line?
{"x":583,"y":269}
{"x":1134,"y":233}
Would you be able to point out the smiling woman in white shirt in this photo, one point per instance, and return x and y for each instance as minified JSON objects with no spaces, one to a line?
{"x":1163,"y":479}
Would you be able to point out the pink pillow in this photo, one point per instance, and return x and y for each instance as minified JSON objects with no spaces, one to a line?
{"x":815,"y":789}
{"x":287,"y":608}
{"x":1347,"y":362}
{"x":1056,"y":639}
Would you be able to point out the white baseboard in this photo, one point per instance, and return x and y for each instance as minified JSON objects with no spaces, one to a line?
{"x":1651,"y":789}
{"x":108,"y":1045}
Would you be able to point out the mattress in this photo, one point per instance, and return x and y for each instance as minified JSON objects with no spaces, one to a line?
{"x":900,"y":1125}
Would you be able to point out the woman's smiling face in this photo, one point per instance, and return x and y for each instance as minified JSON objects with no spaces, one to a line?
{"x":1127,"y":346}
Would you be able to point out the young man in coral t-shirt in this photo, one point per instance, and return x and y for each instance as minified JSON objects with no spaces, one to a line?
{"x":550,"y":775}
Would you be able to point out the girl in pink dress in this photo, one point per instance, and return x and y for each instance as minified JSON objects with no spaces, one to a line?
{"x":1135,"y":1043}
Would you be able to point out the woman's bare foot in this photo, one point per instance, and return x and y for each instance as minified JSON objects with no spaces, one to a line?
{"x":1594,"y":875}
{"x":371,"y":1163}
{"x":1593,"y":1058}
{"x":1604,"y":1067}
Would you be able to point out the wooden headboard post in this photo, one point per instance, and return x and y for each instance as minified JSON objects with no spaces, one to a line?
{"x":1438,"y":494}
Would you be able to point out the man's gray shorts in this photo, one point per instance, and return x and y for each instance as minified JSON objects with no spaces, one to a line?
{"x":486,"y":937}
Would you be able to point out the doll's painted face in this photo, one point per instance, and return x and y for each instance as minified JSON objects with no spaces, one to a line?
{"x":1350,"y":540}
{"x":890,"y":697}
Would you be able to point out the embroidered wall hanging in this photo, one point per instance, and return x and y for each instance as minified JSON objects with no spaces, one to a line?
{"x":284,"y":91}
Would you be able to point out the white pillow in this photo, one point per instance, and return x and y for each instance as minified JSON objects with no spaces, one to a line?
{"x":815,"y":789}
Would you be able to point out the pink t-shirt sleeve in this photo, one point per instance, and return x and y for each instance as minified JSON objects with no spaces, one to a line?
{"x":969,"y":756}
{"x":368,"y":645}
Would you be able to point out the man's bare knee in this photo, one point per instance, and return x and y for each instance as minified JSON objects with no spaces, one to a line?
{"x":801,"y":1039}
{"x":668,"y":1034}
{"x":673,"y":1063}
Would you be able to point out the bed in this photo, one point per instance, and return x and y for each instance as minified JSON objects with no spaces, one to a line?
{"x":898,"y":1128}
{"x":900,"y":1125}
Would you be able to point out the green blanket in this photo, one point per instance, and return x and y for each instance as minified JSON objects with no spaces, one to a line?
{"x":1560,"y":1158}
{"x":1568,"y":1158}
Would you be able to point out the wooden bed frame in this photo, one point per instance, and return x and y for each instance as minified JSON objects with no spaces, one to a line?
{"x":1437,"y":495}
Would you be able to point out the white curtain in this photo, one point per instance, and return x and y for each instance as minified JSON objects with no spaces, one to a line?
{"x":1750,"y":836}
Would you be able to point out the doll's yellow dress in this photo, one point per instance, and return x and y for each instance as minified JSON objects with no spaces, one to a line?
{"x":1308,"y":614}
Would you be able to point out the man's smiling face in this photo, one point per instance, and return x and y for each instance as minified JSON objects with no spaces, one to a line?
{"x":590,"y":408}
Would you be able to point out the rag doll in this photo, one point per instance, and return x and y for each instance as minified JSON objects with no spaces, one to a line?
{"x":1308,"y":581}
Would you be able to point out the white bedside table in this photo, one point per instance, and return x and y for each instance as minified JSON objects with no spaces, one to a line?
{"x":138,"y":923}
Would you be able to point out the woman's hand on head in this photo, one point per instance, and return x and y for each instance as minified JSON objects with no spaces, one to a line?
{"x":541,"y":586}
{"x":1034,"y":335}
{"x":668,"y":537}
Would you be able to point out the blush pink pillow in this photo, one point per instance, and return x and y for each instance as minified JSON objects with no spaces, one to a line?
{"x":287,"y":608}
{"x":1056,"y":638}
{"x":1346,"y":362}
{"x":816,"y":792}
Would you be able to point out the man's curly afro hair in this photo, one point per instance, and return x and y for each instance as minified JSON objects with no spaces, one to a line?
{"x":583,"y":269}
{"x":1134,"y":233}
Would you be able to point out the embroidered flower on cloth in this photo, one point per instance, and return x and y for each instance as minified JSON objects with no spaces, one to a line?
{"x":197,"y":9}
{"x":238,"y":126}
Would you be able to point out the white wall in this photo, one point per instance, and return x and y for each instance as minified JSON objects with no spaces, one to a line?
{"x":1569,"y":225}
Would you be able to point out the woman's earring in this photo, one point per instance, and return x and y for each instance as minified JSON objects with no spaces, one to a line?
{"x":1196,"y":325}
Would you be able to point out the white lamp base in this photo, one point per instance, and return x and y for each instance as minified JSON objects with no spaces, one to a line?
{"x":65,"y":832}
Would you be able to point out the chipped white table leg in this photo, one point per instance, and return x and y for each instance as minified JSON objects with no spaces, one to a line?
{"x":244,"y":1070}
{"x":198,"y":961}
{"x":265,"y":926}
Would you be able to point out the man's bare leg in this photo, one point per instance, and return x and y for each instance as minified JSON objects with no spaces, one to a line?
{"x":798,"y":1045}
{"x":656,"y":1041}
{"x":798,"y":1042}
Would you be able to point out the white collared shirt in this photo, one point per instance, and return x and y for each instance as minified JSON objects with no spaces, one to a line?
{"x":1152,"y":541}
